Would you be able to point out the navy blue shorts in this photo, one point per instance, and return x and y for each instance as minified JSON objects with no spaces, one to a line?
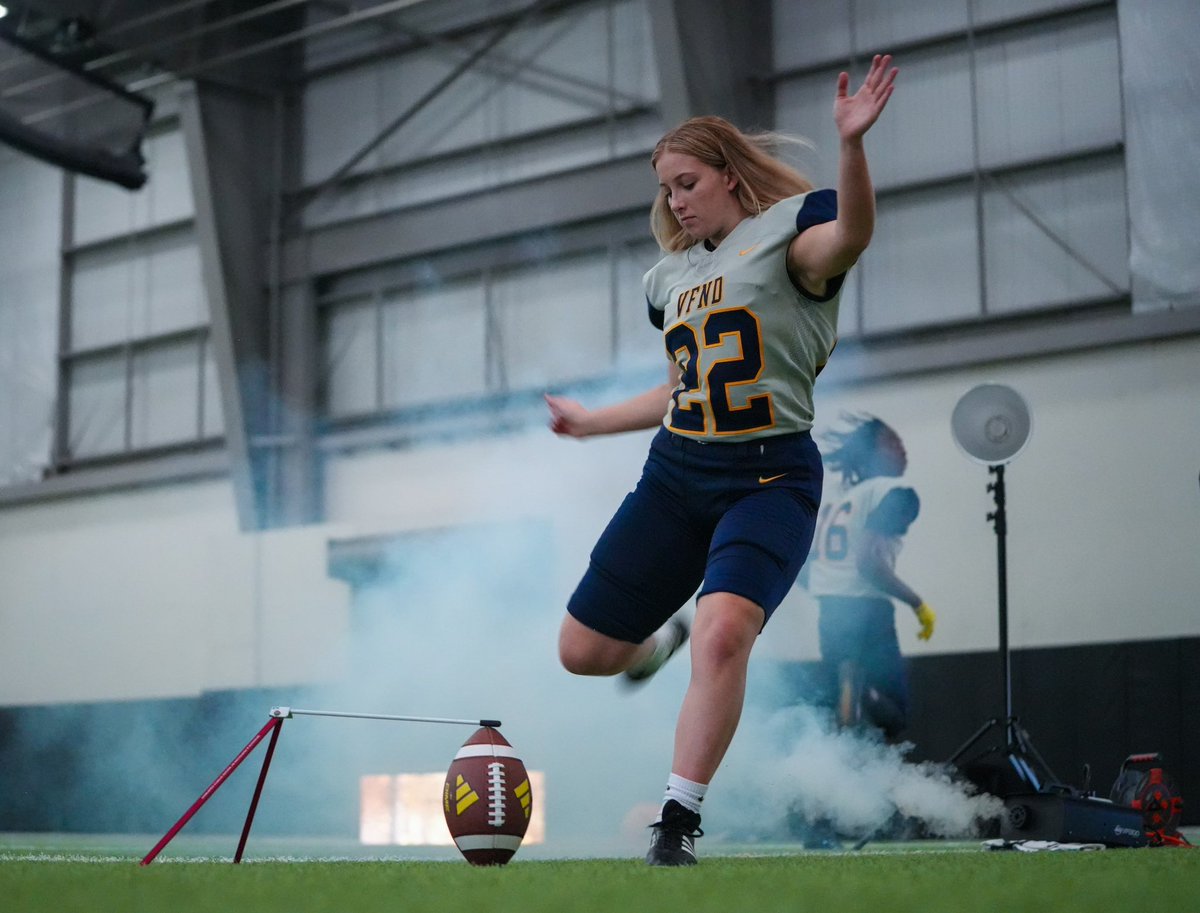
{"x":735,"y":517}
{"x":862,"y":630}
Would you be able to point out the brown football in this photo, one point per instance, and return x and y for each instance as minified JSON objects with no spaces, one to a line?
{"x":487,"y":799}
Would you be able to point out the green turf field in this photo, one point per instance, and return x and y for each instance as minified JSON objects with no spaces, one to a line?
{"x":45,"y":873}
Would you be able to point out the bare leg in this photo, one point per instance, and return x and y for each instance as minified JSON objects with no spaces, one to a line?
{"x":849,"y":694}
{"x":586,"y":652}
{"x":724,"y":632}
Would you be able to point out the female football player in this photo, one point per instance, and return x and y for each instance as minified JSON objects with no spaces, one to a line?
{"x":852,"y":573}
{"x":747,"y":300}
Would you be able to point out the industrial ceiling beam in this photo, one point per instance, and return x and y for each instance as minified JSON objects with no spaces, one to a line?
{"x":714,"y":57}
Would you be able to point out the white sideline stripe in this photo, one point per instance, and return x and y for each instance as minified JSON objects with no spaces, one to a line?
{"x":63,"y":857}
{"x":487,"y":842}
{"x":486,"y":751}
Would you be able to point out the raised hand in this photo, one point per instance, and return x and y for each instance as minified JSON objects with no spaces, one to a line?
{"x":854,"y":114}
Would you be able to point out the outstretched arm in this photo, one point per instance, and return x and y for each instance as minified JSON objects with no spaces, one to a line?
{"x":873,"y":564}
{"x":828,"y":250}
{"x":569,"y":418}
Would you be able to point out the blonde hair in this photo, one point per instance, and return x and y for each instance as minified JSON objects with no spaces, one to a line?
{"x":762,"y":179}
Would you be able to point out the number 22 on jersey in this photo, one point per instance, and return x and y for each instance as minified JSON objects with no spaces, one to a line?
{"x":702,"y":402}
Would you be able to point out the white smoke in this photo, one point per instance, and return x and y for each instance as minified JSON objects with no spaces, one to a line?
{"x":795,"y":767}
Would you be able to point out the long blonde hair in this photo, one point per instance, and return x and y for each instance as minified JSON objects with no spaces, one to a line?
{"x":762,"y":179}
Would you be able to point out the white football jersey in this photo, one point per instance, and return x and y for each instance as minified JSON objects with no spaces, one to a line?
{"x":748,"y":343}
{"x":841,"y":527}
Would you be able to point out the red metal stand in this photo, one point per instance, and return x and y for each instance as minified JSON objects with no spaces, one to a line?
{"x":278,"y":715}
{"x":274,"y":726}
{"x":262,"y":778}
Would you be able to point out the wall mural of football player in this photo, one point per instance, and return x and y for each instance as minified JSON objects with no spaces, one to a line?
{"x":747,"y":299}
{"x":852,"y":573}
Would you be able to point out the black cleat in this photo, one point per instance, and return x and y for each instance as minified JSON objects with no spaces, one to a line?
{"x":670,"y":638}
{"x":674,"y":838}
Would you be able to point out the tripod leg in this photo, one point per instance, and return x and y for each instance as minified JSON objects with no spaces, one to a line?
{"x":969,"y":743}
{"x":212,"y":788}
{"x":262,"y":778}
{"x":1024,"y":746}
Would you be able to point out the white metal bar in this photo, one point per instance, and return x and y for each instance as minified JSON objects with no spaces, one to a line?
{"x":289,"y":712}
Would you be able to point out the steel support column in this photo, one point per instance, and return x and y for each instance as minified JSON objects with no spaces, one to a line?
{"x":714,"y":57}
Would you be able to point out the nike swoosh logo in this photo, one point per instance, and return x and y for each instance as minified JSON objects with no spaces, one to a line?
{"x":742,"y":253}
{"x":762,"y":481}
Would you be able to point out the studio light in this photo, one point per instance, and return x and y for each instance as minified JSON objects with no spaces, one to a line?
{"x":991,"y":425}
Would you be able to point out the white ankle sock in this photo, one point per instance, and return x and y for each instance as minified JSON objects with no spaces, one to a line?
{"x":686,"y":792}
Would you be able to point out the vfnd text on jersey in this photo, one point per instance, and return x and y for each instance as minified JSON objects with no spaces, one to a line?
{"x":702,"y":296}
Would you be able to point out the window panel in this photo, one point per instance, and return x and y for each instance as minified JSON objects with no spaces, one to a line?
{"x":169,"y":193}
{"x":991,"y":11}
{"x":434,"y":345}
{"x":635,"y":71}
{"x":104,"y":210}
{"x":1083,"y":207}
{"x":459,"y":118}
{"x":97,"y":406}
{"x":922,"y":265}
{"x":497,"y":100}
{"x":351,"y":384}
{"x":175,"y":296}
{"x":341,"y":114}
{"x":813,"y":32}
{"x":437,"y":179}
{"x":1049,"y":91}
{"x":885,"y":23}
{"x":517,"y":90}
{"x":804,"y":108}
{"x":926,"y":131}
{"x":135,"y":275}
{"x":639,"y":343}
{"x":818,"y":31}
{"x":30,"y":231}
{"x":907,"y":144}
{"x":1045,"y":90}
{"x":851,"y":305}
{"x":555,"y":322}
{"x":137,"y":288}
{"x":526,"y":101}
{"x":165,"y":394}
{"x":103,"y":288}
{"x":552,"y":75}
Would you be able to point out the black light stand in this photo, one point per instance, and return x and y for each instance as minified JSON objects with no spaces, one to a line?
{"x":1029,"y":768}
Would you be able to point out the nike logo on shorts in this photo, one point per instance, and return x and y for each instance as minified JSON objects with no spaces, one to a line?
{"x":764,"y":480}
